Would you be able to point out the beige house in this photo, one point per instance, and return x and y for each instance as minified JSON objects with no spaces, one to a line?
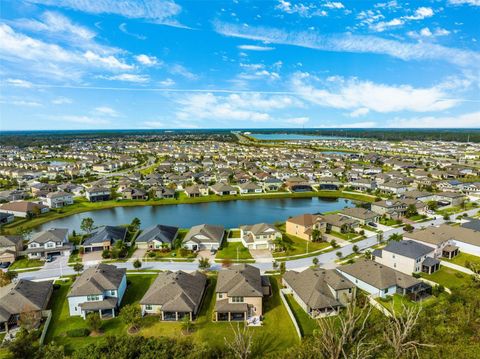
{"x":9,"y":248}
{"x":303,"y":225}
{"x":239,"y":293}
{"x":259,"y":236}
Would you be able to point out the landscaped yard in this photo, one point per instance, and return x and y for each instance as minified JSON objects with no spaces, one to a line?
{"x":463,"y":258}
{"x":448,"y":277}
{"x":345,"y":236}
{"x":234,"y":233}
{"x":399,"y":301}
{"x":297,"y":246}
{"x":22,"y":263}
{"x":233,"y":250}
{"x":277,"y":332}
{"x":306,"y":323}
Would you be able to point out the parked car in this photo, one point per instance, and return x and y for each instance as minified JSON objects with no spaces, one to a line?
{"x":49,"y":259}
{"x":5,"y":265}
{"x":372,"y":224}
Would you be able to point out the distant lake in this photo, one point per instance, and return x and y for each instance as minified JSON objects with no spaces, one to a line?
{"x":230,"y":213}
{"x":293,"y":137}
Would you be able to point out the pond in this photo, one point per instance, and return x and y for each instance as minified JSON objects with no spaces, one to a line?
{"x":293,"y":137}
{"x":230,"y":213}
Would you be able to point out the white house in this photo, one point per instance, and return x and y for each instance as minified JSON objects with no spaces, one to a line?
{"x":204,"y":236}
{"x":51,"y":242}
{"x":259,"y":236}
{"x":98,"y":289}
{"x":58,"y":199}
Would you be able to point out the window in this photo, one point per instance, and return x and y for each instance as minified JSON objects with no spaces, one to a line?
{"x":149,"y":307}
{"x":92,"y":298}
{"x":237,"y":299}
{"x":220,"y":295}
{"x":112,"y":292}
{"x":385,"y":291}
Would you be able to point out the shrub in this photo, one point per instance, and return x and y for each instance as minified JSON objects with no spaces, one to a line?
{"x":78,"y":332}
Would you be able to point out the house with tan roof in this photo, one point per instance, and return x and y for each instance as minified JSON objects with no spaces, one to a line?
{"x":302,"y":226}
{"x":175,"y":295}
{"x":23,"y":208}
{"x":320,"y":292}
{"x":239,"y":293}
{"x":10,"y":246}
{"x":98,"y":289}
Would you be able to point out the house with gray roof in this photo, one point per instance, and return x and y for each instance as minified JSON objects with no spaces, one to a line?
{"x":104,"y":238}
{"x":381,"y":281}
{"x":157,"y":237}
{"x":239,"y":293}
{"x":20,"y":297}
{"x":175,"y":295}
{"x":98,"y":289}
{"x":204,"y":236}
{"x":407,"y":257}
{"x":52,"y":242}
{"x":10,"y":246}
{"x":320,"y":292}
{"x":259,"y":236}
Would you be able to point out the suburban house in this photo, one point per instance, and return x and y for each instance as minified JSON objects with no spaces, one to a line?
{"x":396,"y":209}
{"x":104,"y":238}
{"x":223,"y":189}
{"x":340,"y":224}
{"x":6,"y":218}
{"x":196,"y":191}
{"x":204,"y":236}
{"x":259,"y":236}
{"x":407,"y":257}
{"x":381,"y":281}
{"x":58,"y":199}
{"x":302,"y":226}
{"x":249,"y":187}
{"x":10,"y":246}
{"x":239,"y":293}
{"x":175,"y":295}
{"x":157,"y":237}
{"x":98,"y":289}
{"x":320,"y":292}
{"x":393,"y":187}
{"x":52,"y":242}
{"x":96,"y":194}
{"x":20,"y":297}
{"x":362,"y":215}
{"x":23,"y":209}
{"x":447,"y":241}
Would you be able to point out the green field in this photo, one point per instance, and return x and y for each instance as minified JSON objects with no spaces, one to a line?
{"x":233,"y":250}
{"x":298,"y":245}
{"x":463,"y":258}
{"x":306,"y":323}
{"x":448,"y":277}
{"x":22,"y":263}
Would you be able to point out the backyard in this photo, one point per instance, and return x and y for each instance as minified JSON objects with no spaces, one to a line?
{"x":463,"y":258}
{"x":306,"y":323}
{"x":233,"y":250}
{"x":448,"y":277}
{"x":296,"y":245}
{"x":277,"y":332}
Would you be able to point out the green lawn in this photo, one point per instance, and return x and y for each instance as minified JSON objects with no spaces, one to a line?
{"x":229,"y":250}
{"x":62,"y":322}
{"x":277,"y":332}
{"x":463,"y":258}
{"x":345,"y":236}
{"x":298,"y":245}
{"x":234,"y":233}
{"x":448,"y":277}
{"x":22,"y":263}
{"x":306,"y":323}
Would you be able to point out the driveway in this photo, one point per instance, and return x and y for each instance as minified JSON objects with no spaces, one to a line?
{"x":261,"y":255}
{"x":206,"y":254}
{"x":92,"y":257}
{"x":139,"y":253}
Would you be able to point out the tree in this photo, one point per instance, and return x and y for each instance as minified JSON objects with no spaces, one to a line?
{"x":87,"y":224}
{"x":226,"y":263}
{"x":355,"y":249}
{"x":94,"y":322}
{"x":315,"y":261}
{"x":25,"y":345}
{"x":187,"y":324}
{"x":137,"y":264}
{"x":6,"y":277}
{"x":52,"y":351}
{"x":411,"y":211}
{"x":399,"y":330}
{"x":379,"y":237}
{"x":131,"y":315}
{"x":29,"y":318}
{"x":241,"y":343}
{"x":395,"y":237}
{"x":334,"y":243}
{"x":78,"y":267}
{"x":135,"y":224}
{"x":432,"y":205}
{"x":339,"y":254}
{"x":346,"y":338}
{"x":316,"y":235}
{"x":203,"y":263}
{"x":283,"y":267}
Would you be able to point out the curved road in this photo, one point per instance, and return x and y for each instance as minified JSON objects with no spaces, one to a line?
{"x":59,"y":267}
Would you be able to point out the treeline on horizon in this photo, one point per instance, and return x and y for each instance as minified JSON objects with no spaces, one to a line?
{"x":39,"y":138}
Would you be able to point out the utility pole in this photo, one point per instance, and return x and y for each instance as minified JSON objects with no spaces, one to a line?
{"x":237,"y":254}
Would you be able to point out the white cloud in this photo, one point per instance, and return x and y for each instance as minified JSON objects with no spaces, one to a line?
{"x":19,"y":83}
{"x":234,"y":107}
{"x":352,"y":43}
{"x":22,"y":103}
{"x":303,"y":10}
{"x":383,"y":25}
{"x":255,"y":48}
{"x":465,"y":120}
{"x":154,"y":10}
{"x":87,"y":120}
{"x":181,"y":70}
{"x":62,"y":101}
{"x":297,"y":120}
{"x":362,"y":111}
{"x":127,"y":78}
{"x":421,"y":13}
{"x":465,"y":2}
{"x":360,"y":96}
{"x":147,"y":60}
{"x":334,"y":5}
{"x":123,"y":28}
{"x":105,"y":111}
{"x":110,"y":62}
{"x":167,"y":82}
{"x":154,"y":124}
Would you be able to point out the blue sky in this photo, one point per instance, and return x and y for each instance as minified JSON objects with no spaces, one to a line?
{"x":98,"y":64}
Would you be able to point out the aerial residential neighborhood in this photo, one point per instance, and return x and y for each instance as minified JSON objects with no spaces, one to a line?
{"x":275,"y":179}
